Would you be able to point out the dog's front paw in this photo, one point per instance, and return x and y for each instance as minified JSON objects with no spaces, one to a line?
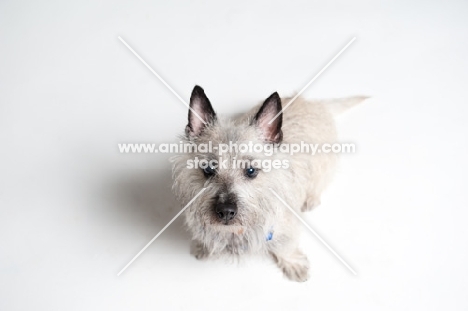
{"x":295,"y":266}
{"x":297,"y":271}
{"x":198,"y":250}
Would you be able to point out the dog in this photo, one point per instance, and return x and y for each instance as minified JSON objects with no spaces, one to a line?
{"x":237,"y":213}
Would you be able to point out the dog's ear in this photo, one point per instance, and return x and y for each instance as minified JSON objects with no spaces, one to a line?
{"x":201,"y":113}
{"x":271,"y":129}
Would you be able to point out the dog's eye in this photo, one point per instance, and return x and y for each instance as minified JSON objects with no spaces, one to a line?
{"x":209,"y":171}
{"x":251,"y":172}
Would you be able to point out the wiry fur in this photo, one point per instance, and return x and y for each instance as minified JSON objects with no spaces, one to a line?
{"x":259,"y":211}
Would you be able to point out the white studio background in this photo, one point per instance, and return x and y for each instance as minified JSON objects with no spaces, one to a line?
{"x":74,"y":211}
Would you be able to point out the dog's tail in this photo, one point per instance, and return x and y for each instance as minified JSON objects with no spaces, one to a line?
{"x":339,"y":105}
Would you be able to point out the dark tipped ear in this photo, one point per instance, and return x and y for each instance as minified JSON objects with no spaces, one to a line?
{"x":201,"y":112}
{"x":271,"y":130}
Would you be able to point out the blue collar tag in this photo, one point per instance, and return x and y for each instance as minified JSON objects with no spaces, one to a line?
{"x":269,"y":235}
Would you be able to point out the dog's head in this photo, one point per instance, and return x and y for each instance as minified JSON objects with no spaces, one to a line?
{"x":237,"y":199}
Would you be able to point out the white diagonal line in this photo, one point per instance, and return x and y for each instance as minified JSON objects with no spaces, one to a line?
{"x":313,"y":79}
{"x":315,"y":233}
{"x":161,"y":79}
{"x":157,"y":235}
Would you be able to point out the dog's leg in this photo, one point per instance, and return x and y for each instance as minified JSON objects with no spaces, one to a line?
{"x":199,"y":250}
{"x":312,"y":201}
{"x":294,"y":265}
{"x":314,"y":191}
{"x":320,"y":176}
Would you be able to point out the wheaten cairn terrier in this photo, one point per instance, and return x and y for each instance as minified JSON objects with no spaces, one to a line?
{"x":237,"y":214}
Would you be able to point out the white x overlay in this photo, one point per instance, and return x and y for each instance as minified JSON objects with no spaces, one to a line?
{"x":203,"y":189}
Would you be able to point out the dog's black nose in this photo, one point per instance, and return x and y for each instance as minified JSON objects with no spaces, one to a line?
{"x":226,"y":211}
